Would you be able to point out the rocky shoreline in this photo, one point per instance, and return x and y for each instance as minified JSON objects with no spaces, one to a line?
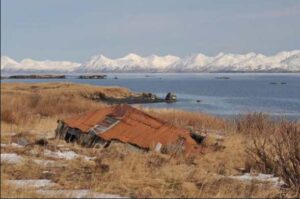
{"x":35,"y":77}
{"x":143,"y":98}
{"x":49,"y":76}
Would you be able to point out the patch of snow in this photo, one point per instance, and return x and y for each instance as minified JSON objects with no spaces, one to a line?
{"x":260,"y":177}
{"x":80,"y":193}
{"x":11,"y":158}
{"x":16,"y":145}
{"x":12,"y":145}
{"x":45,"y":162}
{"x":40,"y":183}
{"x":68,"y":155}
{"x":45,"y":187}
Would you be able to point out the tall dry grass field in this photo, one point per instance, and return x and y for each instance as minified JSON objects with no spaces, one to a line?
{"x":253,"y":143}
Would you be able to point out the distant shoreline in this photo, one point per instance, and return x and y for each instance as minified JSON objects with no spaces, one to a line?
{"x":103,"y":75}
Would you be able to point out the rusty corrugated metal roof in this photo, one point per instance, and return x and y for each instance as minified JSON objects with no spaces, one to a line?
{"x":134,"y":127}
{"x":89,"y":120}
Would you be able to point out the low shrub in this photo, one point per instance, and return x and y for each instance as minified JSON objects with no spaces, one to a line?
{"x":276,"y":150}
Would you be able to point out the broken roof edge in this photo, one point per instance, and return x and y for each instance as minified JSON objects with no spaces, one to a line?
{"x":118,"y":111}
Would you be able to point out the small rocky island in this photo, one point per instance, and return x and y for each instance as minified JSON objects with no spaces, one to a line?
{"x":282,"y":83}
{"x":139,"y":99}
{"x":222,"y":77}
{"x":92,"y":76}
{"x":170,"y":98}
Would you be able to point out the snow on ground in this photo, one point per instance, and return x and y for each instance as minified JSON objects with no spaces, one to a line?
{"x":80,"y":193}
{"x":43,"y":187}
{"x":12,"y":145}
{"x":45,"y":163}
{"x":68,"y":155}
{"x":260,"y":177}
{"x":11,"y":158}
{"x":40,"y":183}
{"x":16,"y":145}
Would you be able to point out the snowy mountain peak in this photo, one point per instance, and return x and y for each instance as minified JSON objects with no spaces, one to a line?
{"x":9,"y":65}
{"x":101,"y":57}
{"x":285,"y":61}
{"x":132,"y":56}
{"x":7,"y":62}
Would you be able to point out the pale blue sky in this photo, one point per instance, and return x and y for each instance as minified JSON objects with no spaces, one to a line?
{"x":77,"y":29}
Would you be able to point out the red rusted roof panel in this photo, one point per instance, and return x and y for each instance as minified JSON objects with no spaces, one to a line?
{"x":87,"y":121}
{"x":134,"y":126}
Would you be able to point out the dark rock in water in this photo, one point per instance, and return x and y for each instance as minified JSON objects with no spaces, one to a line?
{"x":170,"y":97}
{"x":115,"y":77}
{"x":278,"y":83}
{"x":92,"y":76}
{"x":223,"y":77}
{"x":198,"y":101}
{"x":149,"y":96}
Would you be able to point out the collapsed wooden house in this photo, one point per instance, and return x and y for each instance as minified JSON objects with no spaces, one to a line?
{"x":123,"y":123}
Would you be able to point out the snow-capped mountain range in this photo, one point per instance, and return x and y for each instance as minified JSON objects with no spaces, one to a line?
{"x":9,"y":65}
{"x":286,"y":61}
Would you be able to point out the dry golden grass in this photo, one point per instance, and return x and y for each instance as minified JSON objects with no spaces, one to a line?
{"x":34,"y":108}
{"x":63,"y":88}
{"x":121,"y":171}
{"x":195,"y":121}
{"x":10,"y":191}
{"x":23,"y":103}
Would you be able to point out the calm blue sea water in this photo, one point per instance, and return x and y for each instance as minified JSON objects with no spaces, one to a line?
{"x":240,"y":94}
